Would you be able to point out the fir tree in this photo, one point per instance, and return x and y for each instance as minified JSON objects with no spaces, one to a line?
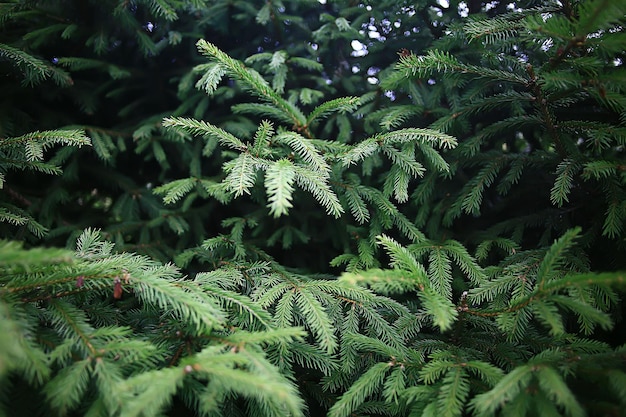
{"x":310,"y":219}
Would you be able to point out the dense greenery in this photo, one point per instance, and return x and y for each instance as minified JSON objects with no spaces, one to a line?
{"x":347,"y":208}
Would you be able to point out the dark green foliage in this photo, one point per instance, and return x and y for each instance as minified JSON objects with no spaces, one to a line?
{"x":553,"y":89}
{"x":289,"y":208}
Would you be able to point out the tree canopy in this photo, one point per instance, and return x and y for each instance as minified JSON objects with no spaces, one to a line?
{"x":303,"y":207}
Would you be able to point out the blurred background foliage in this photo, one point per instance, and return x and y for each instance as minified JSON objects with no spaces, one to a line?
{"x":116,"y":68}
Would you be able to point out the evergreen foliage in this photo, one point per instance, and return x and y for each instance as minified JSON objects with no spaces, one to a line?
{"x":295,"y":208}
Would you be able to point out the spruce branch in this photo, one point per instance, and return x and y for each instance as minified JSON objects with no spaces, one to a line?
{"x":493,"y":30}
{"x":339,"y":105}
{"x":317,"y":184}
{"x":241,"y":174}
{"x":426,"y":137}
{"x":363,"y":387}
{"x":175,"y":190}
{"x":557,"y":391}
{"x":317,"y":320}
{"x":264,"y":110}
{"x":211,"y":76}
{"x":242,"y":305}
{"x":19,"y":352}
{"x":441,"y":61}
{"x":555,"y":257}
{"x":506,"y":390}
{"x":279,"y":179}
{"x":204,"y":129}
{"x":306,"y":149}
{"x":435,"y":304}
{"x":38,"y":141}
{"x":34,"y":69}
{"x":549,"y":289}
{"x":357,"y":206}
{"x":262,"y":138}
{"x":253,"y":81}
{"x":454,"y":392}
